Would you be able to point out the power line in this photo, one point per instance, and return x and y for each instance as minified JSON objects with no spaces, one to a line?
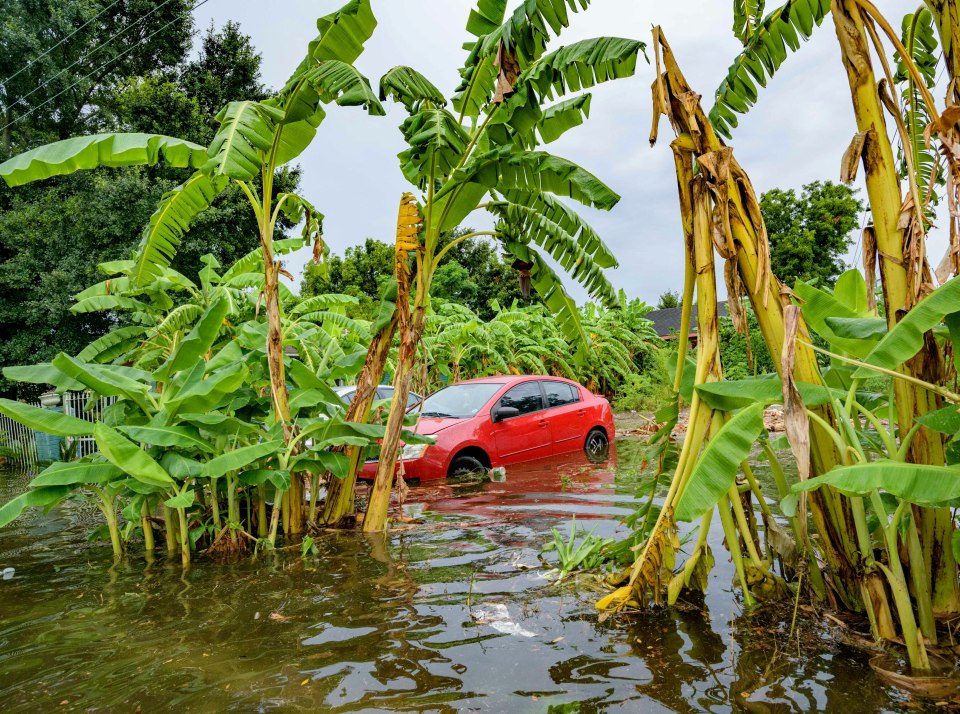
{"x":34,"y":61}
{"x":110,"y":61}
{"x":90,"y":54}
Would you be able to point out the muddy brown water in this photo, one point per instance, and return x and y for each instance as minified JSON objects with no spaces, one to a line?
{"x":453,"y":614}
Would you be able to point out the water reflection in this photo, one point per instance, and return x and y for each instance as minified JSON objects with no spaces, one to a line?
{"x":384,"y":623}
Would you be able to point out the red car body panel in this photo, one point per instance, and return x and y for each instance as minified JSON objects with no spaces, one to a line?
{"x":527,"y":437}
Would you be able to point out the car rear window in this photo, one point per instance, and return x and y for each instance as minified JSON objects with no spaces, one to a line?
{"x":524,"y":397}
{"x":560,"y":393}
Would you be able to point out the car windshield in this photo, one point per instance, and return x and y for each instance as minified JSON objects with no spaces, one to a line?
{"x":460,"y":401}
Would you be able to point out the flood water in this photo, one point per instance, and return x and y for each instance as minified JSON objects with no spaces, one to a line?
{"x":452,"y":614}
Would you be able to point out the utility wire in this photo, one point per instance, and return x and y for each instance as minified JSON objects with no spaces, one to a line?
{"x":37,"y":59}
{"x":110,"y":61}
{"x":90,"y":54}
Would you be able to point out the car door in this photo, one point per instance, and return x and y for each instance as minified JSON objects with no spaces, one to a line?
{"x":566,"y":414}
{"x":526,"y":436}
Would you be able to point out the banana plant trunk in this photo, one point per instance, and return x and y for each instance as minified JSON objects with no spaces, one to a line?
{"x":411,"y":330}
{"x":340,"y":492}
{"x":278,"y":381}
{"x":736,"y":200}
{"x":883,"y":190}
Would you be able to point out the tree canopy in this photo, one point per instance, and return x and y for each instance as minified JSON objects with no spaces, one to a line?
{"x":474,"y":275}
{"x":53,"y":234}
{"x":810,"y":233}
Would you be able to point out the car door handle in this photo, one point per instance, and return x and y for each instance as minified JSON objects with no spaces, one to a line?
{"x":582,"y":412}
{"x":543,"y":424}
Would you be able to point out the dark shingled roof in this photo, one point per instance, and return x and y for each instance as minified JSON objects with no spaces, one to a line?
{"x":667,"y":321}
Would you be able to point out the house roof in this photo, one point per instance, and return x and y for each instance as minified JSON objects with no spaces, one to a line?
{"x":667,"y":321}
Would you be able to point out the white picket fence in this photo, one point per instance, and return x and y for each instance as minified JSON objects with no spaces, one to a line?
{"x":22,"y":441}
{"x":74,"y":404}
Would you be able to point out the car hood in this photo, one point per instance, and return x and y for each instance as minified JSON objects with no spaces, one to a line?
{"x":431,"y":425}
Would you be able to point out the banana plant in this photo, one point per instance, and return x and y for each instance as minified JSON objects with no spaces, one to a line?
{"x":480,"y":151}
{"x":253,"y":141}
{"x":182,"y":436}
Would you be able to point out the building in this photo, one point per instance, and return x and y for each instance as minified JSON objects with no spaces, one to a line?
{"x":667,"y":321}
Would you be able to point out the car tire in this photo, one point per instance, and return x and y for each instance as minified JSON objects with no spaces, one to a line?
{"x":596,"y":446}
{"x":465,"y":465}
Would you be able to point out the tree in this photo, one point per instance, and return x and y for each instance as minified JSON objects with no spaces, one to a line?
{"x":669,"y":299}
{"x":476,"y":275}
{"x":473,"y":275}
{"x":361,"y":272}
{"x":77,"y":52}
{"x":53,"y":235}
{"x":810,"y":233}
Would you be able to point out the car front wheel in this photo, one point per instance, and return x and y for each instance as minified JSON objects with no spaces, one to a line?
{"x":597,"y":446}
{"x":465,"y":465}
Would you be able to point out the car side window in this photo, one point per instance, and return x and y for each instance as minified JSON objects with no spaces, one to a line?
{"x":560,"y":393}
{"x":524,"y":397}
{"x":413,"y":399}
{"x":384,"y":392}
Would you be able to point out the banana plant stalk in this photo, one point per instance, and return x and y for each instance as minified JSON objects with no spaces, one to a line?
{"x":883,"y":189}
{"x":340,"y":492}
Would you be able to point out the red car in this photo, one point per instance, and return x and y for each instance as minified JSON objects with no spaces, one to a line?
{"x":498,"y":421}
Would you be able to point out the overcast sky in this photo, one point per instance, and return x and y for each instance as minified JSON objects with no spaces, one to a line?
{"x":796,"y":134}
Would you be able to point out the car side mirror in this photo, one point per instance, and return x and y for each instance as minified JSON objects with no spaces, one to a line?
{"x":505,"y":413}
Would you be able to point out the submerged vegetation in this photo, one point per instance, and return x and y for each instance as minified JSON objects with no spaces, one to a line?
{"x":226,"y":432}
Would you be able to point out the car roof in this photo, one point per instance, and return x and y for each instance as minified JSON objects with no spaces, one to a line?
{"x":507,"y":379}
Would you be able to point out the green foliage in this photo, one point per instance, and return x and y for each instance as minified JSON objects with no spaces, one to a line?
{"x":53,"y":235}
{"x":737,"y":362}
{"x":590,"y":553}
{"x":196,"y":410}
{"x":919,"y":38}
{"x":809,"y":233}
{"x":717,"y":467}
{"x":459,"y":344}
{"x":765,"y":50}
{"x":473,"y":274}
{"x":669,"y":299}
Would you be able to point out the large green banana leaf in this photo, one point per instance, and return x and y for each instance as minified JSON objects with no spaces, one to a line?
{"x":46,"y":497}
{"x":916,"y":483}
{"x":89,"y":152}
{"x":766,"y":50}
{"x":906,"y":338}
{"x":44,"y":373}
{"x":183,"y":437}
{"x":436,"y":145}
{"x":45,"y":420}
{"x":129,"y":457}
{"x":524,"y":34}
{"x":239,"y":458}
{"x":107,"y":380}
{"x":169,"y":222}
{"x":343,"y":33}
{"x":407,"y":86}
{"x":504,"y":169}
{"x":71,"y":473}
{"x":566,"y":218}
{"x":245,"y":136}
{"x":716,"y":469}
{"x":551,"y":291}
{"x":197,"y":342}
